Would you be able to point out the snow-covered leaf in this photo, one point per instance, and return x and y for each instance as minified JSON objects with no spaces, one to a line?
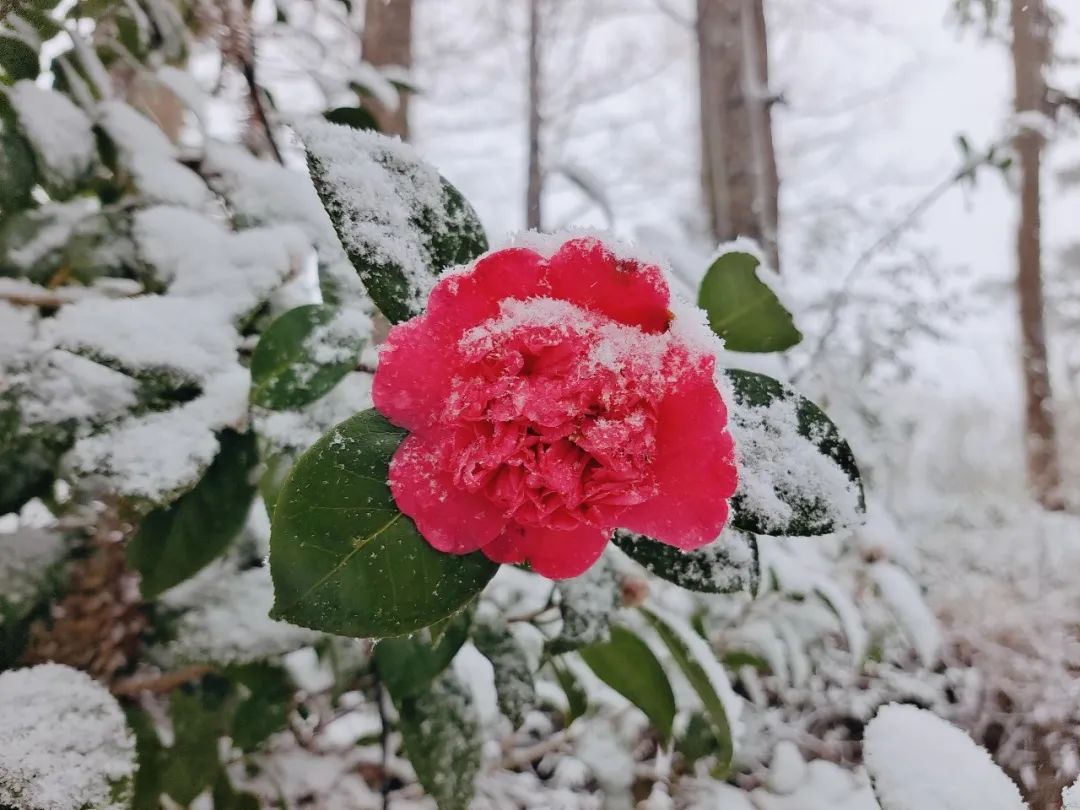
{"x":515,"y":688}
{"x":743,"y":309}
{"x":65,"y":744}
{"x":399,"y":221}
{"x":699,"y":679}
{"x":305,"y":353}
{"x":407,"y":664}
{"x":728,"y":565}
{"x":917,"y":761}
{"x":176,"y":542}
{"x":586,"y":603}
{"x":441,"y":734}
{"x":344,"y":559}
{"x":797,"y":475}
{"x":59,"y":132}
{"x":902,"y":596}
{"x":627,"y":665}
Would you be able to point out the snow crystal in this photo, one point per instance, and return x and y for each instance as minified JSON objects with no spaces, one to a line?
{"x":158,"y":455}
{"x":778,"y":465}
{"x":65,"y":744}
{"x":390,"y":200}
{"x":919,"y":762}
{"x":26,"y":558}
{"x":1070,"y":797}
{"x":63,"y":386}
{"x":902,"y":595}
{"x":232,"y":272}
{"x":228,"y":623}
{"x":132,"y":132}
{"x":61,"y":134}
{"x":177,"y":335}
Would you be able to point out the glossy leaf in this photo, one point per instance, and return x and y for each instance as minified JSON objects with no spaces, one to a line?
{"x":18,"y":59}
{"x":17,"y":170}
{"x":577,"y":699}
{"x":300,"y":357}
{"x":441,"y":735}
{"x":627,"y":665}
{"x":515,"y":688}
{"x":407,"y":664}
{"x":791,"y":456}
{"x":178,"y":541}
{"x":355,"y":117}
{"x":699,"y":679}
{"x":742,"y":309}
{"x":344,"y":559}
{"x":728,"y":565}
{"x":401,"y":237}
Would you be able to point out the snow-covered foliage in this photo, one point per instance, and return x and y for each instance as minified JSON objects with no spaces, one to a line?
{"x":65,"y":744}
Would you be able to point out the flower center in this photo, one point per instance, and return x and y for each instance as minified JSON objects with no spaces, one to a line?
{"x":553,"y":414}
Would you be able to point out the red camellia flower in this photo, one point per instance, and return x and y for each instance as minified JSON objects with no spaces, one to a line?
{"x":550,"y":401}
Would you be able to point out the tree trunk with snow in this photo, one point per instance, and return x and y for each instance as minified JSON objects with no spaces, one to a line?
{"x":1030,"y":52}
{"x":387,"y":41}
{"x":738,"y":161}
{"x":535,"y":182}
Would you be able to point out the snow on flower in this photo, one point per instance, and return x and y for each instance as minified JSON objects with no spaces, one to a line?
{"x":550,"y":401}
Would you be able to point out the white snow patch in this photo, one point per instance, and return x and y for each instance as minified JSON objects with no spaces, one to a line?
{"x":65,"y":743}
{"x":61,"y":133}
{"x":919,"y":762}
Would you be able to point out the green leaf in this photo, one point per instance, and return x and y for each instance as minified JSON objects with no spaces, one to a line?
{"x":355,"y":117}
{"x":627,"y":665}
{"x":742,"y":309}
{"x":728,"y":565}
{"x":515,"y":688}
{"x":344,"y":559}
{"x":586,"y":603}
{"x":150,"y":755}
{"x":265,"y":710}
{"x":17,"y":170}
{"x":400,"y":222}
{"x":301,"y":356}
{"x":698,"y":740}
{"x":797,"y":475}
{"x":407,"y":664}
{"x":699,"y":679}
{"x":199,"y":719}
{"x":18,"y":58}
{"x":577,"y":699}
{"x":226,"y":797}
{"x":29,"y":457}
{"x":178,"y":541}
{"x":440,"y":732}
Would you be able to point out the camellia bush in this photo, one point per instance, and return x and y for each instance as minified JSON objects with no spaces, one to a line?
{"x":296,"y":471}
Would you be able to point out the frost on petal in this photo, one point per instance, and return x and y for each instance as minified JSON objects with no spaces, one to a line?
{"x":449,"y":518}
{"x":65,"y":744}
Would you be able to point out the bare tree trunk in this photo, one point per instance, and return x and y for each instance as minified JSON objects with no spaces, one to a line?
{"x":1030,"y":52}
{"x":738,"y":161}
{"x":534,"y":188}
{"x":387,"y":40}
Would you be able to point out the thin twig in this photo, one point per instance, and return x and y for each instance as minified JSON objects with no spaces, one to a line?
{"x":255,"y":94}
{"x":384,"y":743}
{"x":159,"y":683}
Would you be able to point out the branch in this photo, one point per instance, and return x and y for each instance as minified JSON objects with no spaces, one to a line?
{"x":257,"y":106}
{"x":160,"y":683}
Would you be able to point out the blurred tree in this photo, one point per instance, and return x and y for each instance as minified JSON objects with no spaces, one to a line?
{"x":738,"y":160}
{"x":1031,"y":52}
{"x":387,"y":42}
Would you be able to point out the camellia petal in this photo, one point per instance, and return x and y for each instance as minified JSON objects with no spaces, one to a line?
{"x":587,"y":273}
{"x":553,"y":553}
{"x":695,"y":468}
{"x":449,"y":518}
